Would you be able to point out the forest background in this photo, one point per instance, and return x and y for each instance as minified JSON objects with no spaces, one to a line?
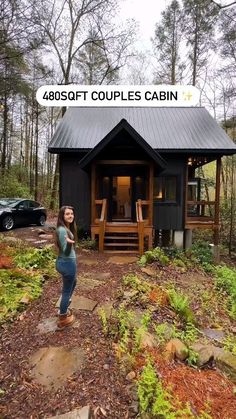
{"x":84,"y":42}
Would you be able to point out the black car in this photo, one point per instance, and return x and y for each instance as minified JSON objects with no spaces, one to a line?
{"x":18,"y":211}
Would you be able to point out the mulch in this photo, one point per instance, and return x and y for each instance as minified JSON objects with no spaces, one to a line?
{"x":101,"y":383}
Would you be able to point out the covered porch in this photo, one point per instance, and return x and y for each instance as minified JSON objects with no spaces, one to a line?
{"x":202,"y":213}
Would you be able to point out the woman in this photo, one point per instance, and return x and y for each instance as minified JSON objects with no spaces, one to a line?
{"x":66,"y":262}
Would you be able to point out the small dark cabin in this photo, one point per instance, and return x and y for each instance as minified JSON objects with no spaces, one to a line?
{"x":130,"y":173}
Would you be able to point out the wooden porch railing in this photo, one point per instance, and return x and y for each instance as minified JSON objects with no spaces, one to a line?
{"x":102,"y":225}
{"x":99,"y":225}
{"x":142,"y":223}
{"x":203,"y":214}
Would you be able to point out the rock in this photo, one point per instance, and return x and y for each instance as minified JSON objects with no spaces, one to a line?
{"x":84,"y":413}
{"x":205,"y":353}
{"x":81,"y":303}
{"x":214,"y":334}
{"x":106,"y":367}
{"x":122,"y":260}
{"x":131,"y":376}
{"x":88,"y":283}
{"x":134,"y":407}
{"x":177,"y":348}
{"x":25,"y":299}
{"x":148,"y":340}
{"x":50,"y":325}
{"x":226,"y":362}
{"x":150,"y":272}
{"x":53,"y":365}
{"x":130,"y":294}
{"x":169,"y":352}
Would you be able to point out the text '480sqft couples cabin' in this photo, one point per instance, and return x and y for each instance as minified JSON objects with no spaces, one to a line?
{"x":130,"y":173}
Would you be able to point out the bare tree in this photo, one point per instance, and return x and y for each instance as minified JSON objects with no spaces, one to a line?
{"x":64,"y":26}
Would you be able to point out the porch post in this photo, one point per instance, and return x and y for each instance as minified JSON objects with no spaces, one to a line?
{"x":217,"y":211}
{"x":186,"y":196}
{"x":93,"y":193}
{"x":150,"y":210}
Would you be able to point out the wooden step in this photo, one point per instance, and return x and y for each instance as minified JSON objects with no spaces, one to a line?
{"x":128,"y":252}
{"x":120,"y":244}
{"x":121,"y":237}
{"x":128,"y":228}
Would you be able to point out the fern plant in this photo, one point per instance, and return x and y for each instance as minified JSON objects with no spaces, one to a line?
{"x":180,"y":304}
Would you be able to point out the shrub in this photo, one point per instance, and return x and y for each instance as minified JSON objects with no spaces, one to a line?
{"x":154,"y":255}
{"x":88,"y":243}
{"x":35,"y":258}
{"x":202,"y":252}
{"x":226,"y":281}
{"x":180,"y":304}
{"x":15,"y":287}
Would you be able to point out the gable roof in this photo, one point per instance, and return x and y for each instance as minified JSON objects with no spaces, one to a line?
{"x":123,"y":125}
{"x":165,"y":129}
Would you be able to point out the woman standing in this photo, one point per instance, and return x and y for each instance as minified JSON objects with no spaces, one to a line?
{"x":66,"y":262}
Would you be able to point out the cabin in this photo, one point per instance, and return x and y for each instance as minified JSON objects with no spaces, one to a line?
{"x":130,"y":173}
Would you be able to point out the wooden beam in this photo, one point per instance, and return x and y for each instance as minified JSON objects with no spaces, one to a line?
{"x":217,"y":203}
{"x":124,"y":162}
{"x":186,"y":196}
{"x":93,"y":193}
{"x":150,"y":209}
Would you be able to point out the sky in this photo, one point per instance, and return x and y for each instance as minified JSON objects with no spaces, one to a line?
{"x":146,"y":13}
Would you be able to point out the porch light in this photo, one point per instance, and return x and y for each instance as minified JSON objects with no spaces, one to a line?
{"x":190,"y":161}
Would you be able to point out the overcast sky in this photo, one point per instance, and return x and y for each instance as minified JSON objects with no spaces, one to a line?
{"x":146,"y":13}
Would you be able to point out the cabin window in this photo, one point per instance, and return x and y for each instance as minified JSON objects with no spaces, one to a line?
{"x":165,"y":189}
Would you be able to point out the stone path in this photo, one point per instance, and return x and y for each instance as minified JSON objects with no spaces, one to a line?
{"x":52,"y":366}
{"x":84,"y":413}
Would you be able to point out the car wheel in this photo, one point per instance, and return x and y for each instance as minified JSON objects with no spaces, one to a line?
{"x":42,"y":220}
{"x":8,"y":222}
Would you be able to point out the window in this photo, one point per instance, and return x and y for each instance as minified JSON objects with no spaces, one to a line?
{"x":165,"y":189}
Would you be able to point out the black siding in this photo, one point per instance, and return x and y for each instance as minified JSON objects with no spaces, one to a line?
{"x":75,"y":188}
{"x":171,"y":216}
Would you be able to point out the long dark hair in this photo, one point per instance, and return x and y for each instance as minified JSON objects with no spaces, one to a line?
{"x":61,"y":222}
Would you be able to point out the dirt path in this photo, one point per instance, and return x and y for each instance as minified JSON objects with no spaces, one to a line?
{"x":98,"y":384}
{"x":94,"y":378}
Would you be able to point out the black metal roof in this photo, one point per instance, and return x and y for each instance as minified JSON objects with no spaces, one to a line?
{"x":164,"y":129}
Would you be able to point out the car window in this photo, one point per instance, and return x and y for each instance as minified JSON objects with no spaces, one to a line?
{"x":8,"y":202}
{"x":33,"y":204}
{"x":23,"y":204}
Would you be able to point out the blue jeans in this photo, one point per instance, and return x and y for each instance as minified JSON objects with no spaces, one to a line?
{"x":67,"y":268}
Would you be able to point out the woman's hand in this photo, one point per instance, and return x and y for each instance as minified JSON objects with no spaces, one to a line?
{"x":69,"y":240}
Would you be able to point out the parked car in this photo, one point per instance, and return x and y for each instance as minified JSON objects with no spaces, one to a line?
{"x":18,"y":211}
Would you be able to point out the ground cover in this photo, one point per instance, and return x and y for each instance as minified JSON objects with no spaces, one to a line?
{"x":131,"y":366}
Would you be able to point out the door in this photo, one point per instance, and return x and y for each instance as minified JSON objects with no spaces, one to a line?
{"x":122,"y":186}
{"x":139,"y":191}
{"x":121,"y":198}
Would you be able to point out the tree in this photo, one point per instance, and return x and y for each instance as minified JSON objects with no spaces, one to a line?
{"x":166,"y":45}
{"x":227,"y":40}
{"x":199,"y":22}
{"x":63,"y":25}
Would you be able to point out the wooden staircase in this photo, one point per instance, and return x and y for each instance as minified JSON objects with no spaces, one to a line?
{"x":122,"y":237}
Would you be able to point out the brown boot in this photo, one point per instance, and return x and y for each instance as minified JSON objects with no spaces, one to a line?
{"x":65,"y":320}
